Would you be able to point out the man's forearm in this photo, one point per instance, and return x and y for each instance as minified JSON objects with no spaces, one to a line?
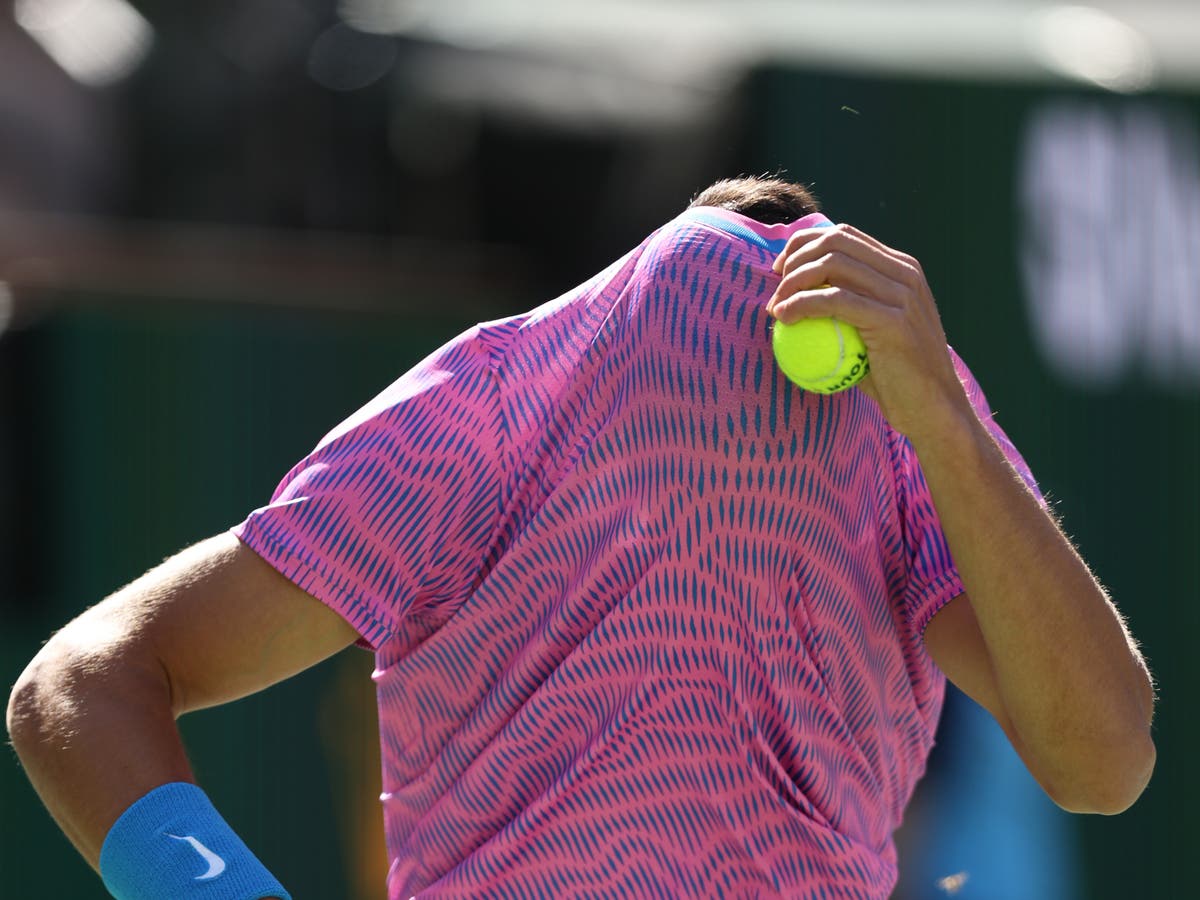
{"x":1072,"y":683}
{"x":93,"y":737}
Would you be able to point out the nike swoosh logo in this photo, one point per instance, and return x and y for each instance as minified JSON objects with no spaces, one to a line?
{"x":216,"y":865}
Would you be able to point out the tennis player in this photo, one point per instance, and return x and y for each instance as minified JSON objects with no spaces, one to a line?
{"x":648,"y":619}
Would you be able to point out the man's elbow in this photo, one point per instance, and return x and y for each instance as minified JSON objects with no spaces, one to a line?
{"x":1112,"y":783}
{"x":56,"y":690}
{"x":25,"y":716}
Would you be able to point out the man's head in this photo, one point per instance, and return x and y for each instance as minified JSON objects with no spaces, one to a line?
{"x":771,"y":201}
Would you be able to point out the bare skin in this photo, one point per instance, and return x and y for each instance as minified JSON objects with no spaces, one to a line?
{"x":1034,"y":638}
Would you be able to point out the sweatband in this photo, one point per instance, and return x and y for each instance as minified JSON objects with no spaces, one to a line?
{"x":172,"y":844}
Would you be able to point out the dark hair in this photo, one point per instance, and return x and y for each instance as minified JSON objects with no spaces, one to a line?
{"x":771,"y":201}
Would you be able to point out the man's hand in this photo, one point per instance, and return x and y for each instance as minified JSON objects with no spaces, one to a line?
{"x":842,"y":272}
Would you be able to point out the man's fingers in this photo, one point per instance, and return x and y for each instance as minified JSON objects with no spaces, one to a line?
{"x":849,"y":306}
{"x":796,"y":242}
{"x":873,"y":241}
{"x":908,"y":265}
{"x":839,"y":269}
{"x":808,"y":246}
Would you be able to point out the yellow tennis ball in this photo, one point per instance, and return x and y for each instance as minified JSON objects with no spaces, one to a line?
{"x":821,"y":355}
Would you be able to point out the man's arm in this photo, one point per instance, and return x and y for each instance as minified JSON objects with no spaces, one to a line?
{"x":1035,"y":639}
{"x":92,"y":717}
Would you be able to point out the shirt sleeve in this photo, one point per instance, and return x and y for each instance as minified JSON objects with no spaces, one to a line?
{"x":394,"y":511}
{"x":933,"y":579}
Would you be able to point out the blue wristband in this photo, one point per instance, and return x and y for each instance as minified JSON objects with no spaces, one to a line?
{"x":172,"y":844}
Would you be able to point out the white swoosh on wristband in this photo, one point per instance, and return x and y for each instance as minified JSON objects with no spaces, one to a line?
{"x":216,"y":865}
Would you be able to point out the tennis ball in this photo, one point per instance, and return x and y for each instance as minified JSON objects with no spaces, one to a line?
{"x":821,"y":355}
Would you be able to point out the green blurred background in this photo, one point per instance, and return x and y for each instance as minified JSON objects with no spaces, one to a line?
{"x":210,"y":258}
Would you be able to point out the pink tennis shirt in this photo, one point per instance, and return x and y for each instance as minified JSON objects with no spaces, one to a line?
{"x":647,"y":617}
